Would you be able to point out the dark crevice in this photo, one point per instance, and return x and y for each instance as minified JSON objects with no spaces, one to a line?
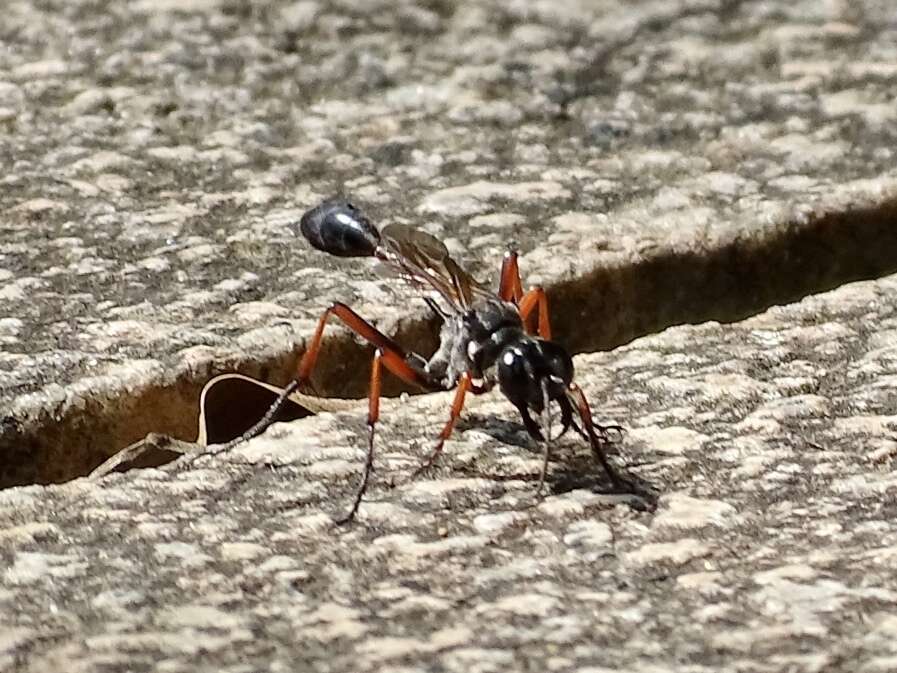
{"x":727,"y":284}
{"x":601,"y":310}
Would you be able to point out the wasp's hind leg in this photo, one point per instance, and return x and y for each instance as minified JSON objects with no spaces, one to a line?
{"x":397,"y":360}
{"x":396,"y":363}
{"x":510,"y":289}
{"x":536,"y":299}
{"x":389,"y":355}
{"x":373,"y":417}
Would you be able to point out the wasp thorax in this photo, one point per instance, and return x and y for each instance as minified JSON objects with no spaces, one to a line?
{"x":525,"y":366}
{"x":339,"y":228}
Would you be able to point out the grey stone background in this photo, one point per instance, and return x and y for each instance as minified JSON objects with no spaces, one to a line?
{"x":657,"y":163}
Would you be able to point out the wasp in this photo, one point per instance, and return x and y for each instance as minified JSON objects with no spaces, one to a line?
{"x":486,"y":338}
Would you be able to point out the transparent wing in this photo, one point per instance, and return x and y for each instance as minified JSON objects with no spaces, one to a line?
{"x":423,"y":261}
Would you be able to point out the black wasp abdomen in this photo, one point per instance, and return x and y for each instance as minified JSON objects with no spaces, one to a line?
{"x":339,"y":228}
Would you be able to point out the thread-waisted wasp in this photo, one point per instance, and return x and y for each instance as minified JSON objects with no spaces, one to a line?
{"x":486,"y":338}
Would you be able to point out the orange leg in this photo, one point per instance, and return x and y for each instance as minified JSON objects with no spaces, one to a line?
{"x":373,"y":417}
{"x":394,"y":358}
{"x":536,"y":298}
{"x":597,"y":440}
{"x":464,"y":385}
{"x":509,"y":287}
{"x":389,"y":354}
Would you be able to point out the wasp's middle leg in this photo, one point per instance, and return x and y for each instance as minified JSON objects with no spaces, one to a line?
{"x":395,"y":359}
{"x":465,"y":384}
{"x":389,"y":355}
{"x":373,"y":417}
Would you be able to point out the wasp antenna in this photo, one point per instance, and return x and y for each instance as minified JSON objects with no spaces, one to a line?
{"x":263,"y":423}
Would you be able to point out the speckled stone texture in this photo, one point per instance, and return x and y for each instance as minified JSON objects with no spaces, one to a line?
{"x":657,"y":163}
{"x":771,"y":441}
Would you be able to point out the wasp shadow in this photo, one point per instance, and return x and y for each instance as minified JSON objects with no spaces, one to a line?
{"x":572,"y":468}
{"x":501,"y":429}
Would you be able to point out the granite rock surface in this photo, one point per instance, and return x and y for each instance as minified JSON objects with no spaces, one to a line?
{"x":155,"y":153}
{"x":656,"y":163}
{"x":771,"y":444}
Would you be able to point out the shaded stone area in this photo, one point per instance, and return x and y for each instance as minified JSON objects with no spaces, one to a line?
{"x":771,"y":442}
{"x":157,"y":151}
